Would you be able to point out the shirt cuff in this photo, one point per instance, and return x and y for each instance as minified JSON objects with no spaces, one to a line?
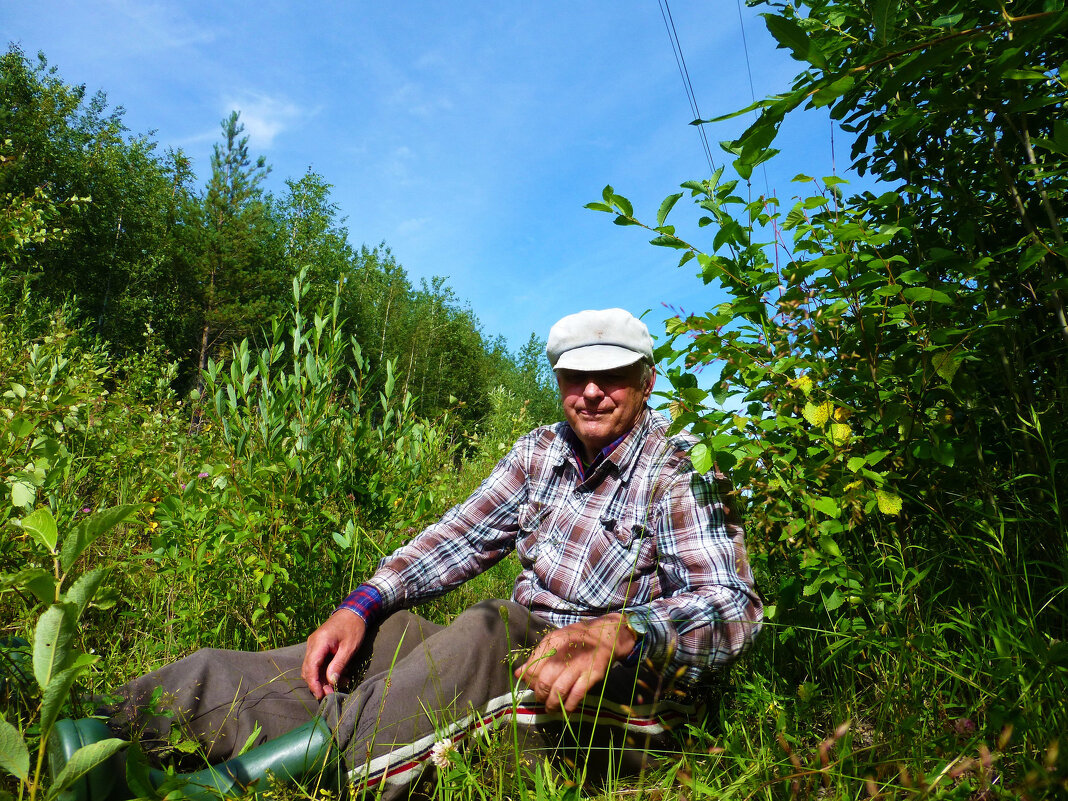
{"x":365,"y":601}
{"x":638,"y":651}
{"x":656,"y":639}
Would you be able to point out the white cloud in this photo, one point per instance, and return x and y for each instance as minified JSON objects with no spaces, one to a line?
{"x":412,"y":225}
{"x":418,"y":101}
{"x":263,"y":116}
{"x":398,"y":165}
{"x":159,"y":26}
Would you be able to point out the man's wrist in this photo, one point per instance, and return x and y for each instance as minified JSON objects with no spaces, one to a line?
{"x":365,"y":602}
{"x":637,"y":650}
{"x":627,"y":649}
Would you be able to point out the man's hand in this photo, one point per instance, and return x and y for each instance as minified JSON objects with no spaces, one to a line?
{"x":571,"y":660}
{"x":330,"y":647}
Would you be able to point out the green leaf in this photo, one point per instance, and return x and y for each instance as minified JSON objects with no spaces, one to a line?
{"x":665,"y":208}
{"x":912,"y":277}
{"x":720,"y":392}
{"x":882,"y":14}
{"x":14,"y":756}
{"x":598,"y":207}
{"x":701,"y":457}
{"x":83,"y":534}
{"x":138,"y":776}
{"x":923,"y":293}
{"x":84,"y":589}
{"x":42,"y":527}
{"x":832,"y":91}
{"x":945,"y":365}
{"x":828,"y":506}
{"x":51,"y":642}
{"x":1024,"y":75}
{"x":23,"y":494}
{"x":37,"y":580}
{"x":791,"y":36}
{"x":833,"y":601}
{"x":948,"y":20}
{"x":56,"y":693}
{"x":855,"y":463}
{"x":668,"y":242}
{"x":251,"y":739}
{"x":81,"y":762}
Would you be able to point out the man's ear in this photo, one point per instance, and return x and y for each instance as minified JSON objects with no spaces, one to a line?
{"x":652,"y":382}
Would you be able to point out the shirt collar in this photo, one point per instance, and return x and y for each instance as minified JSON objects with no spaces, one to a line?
{"x":622,"y":452}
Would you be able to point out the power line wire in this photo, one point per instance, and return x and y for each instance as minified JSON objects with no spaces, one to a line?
{"x":680,"y":61}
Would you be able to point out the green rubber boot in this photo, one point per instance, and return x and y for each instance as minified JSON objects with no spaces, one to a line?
{"x":306,"y":753}
{"x":105,"y":780}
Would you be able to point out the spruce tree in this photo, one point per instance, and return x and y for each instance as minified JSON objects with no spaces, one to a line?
{"x":241,"y":276}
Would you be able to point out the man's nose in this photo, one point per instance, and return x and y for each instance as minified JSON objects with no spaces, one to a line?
{"x":592,"y":390}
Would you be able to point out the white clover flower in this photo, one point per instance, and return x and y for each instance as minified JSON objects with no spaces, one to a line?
{"x":440,"y":753}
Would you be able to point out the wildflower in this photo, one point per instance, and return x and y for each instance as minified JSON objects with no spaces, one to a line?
{"x":86,"y":510}
{"x":963,"y":726}
{"x":202,"y":475}
{"x":440,"y":753}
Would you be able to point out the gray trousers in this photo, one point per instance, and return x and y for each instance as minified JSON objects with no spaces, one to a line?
{"x":414,"y":684}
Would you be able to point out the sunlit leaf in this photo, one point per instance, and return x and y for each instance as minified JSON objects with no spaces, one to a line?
{"x":88,"y":529}
{"x":889,"y":503}
{"x":791,"y":36}
{"x":23,"y":494}
{"x":829,"y":506}
{"x":923,"y":293}
{"x":42,"y":527}
{"x":666,"y":206}
{"x":701,"y":457}
{"x":51,"y":642}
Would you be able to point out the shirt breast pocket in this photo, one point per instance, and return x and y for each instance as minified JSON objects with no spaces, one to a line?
{"x":633,"y":543}
{"x":528,"y":541}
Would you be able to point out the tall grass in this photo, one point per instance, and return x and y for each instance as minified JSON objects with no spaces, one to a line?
{"x":944,"y":674}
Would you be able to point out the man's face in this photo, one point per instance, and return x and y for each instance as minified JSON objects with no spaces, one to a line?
{"x":603,"y":406}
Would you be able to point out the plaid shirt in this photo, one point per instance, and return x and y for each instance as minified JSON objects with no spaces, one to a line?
{"x":643,"y":534}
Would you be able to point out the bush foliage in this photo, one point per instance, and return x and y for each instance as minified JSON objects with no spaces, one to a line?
{"x":888,"y":395}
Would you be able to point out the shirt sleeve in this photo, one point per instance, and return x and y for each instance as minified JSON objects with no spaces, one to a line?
{"x":708,"y":611}
{"x":365,"y":601}
{"x":470,"y":538}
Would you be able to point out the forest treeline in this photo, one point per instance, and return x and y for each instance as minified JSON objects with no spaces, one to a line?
{"x":154,"y":258}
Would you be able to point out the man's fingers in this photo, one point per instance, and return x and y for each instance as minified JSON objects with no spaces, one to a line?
{"x":578,"y":691}
{"x":336,"y":668}
{"x":562,"y":690}
{"x":330,"y":648}
{"x":310,"y":670}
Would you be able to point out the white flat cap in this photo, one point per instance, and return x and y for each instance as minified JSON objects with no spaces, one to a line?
{"x":596,"y":340}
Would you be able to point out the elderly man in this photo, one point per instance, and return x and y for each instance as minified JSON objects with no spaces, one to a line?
{"x":634,"y":586}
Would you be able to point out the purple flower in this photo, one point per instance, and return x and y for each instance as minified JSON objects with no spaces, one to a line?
{"x":202,"y":475}
{"x":962,"y":726}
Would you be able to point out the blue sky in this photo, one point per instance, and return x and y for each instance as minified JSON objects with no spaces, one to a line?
{"x":465,"y":135}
